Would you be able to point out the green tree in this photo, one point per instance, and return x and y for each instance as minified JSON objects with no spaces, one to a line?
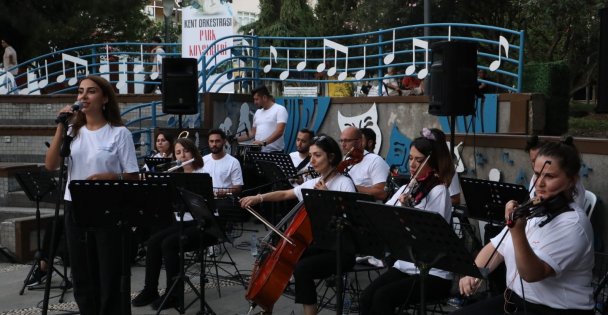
{"x":33,"y":25}
{"x":335,"y":17}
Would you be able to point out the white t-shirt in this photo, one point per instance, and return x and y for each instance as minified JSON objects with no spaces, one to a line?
{"x":437,"y":200}
{"x":454,"y":185}
{"x":579,"y":199}
{"x":225,"y":172}
{"x":565,"y":244}
{"x":337,"y":183}
{"x":386,"y":89}
{"x":105,"y":150}
{"x":265,"y":122}
{"x":370,"y":171}
{"x":295,"y":158}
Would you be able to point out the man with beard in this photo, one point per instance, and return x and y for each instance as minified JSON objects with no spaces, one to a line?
{"x":225,"y":170}
{"x":269,"y":122}
{"x":300,"y":157}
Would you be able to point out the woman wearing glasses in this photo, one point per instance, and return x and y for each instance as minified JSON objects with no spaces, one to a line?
{"x":315,"y":263}
{"x":432,"y":170}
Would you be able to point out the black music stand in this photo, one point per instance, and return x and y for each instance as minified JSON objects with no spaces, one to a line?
{"x":39,"y":186}
{"x":330,"y":213}
{"x":422,"y":237}
{"x":201,"y":183}
{"x":153,"y":162}
{"x":277,"y":169}
{"x":121,"y":205}
{"x":207,"y":223}
{"x":486,"y":199}
{"x":282,"y":160}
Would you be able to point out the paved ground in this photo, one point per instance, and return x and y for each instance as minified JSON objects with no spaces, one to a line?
{"x":232,"y":299}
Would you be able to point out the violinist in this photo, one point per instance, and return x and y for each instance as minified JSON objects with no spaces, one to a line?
{"x":315,"y":263}
{"x":367,"y":170}
{"x":533,"y":145}
{"x":432,"y":168}
{"x":547,"y":248}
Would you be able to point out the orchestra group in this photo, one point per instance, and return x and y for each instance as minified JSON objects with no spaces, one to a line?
{"x":546,"y":246}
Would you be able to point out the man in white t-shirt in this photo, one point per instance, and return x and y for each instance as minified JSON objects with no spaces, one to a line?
{"x":268,"y":122}
{"x":370,"y":174}
{"x":391,"y":85}
{"x":224,"y":169}
{"x":300,"y":157}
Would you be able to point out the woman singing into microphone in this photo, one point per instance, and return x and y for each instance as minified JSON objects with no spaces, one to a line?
{"x":101,"y":149}
{"x":432,"y":170}
{"x":549,"y":258}
{"x":325,"y":155}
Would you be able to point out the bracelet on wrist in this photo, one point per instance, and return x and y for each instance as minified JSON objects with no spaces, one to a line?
{"x":261,"y":198}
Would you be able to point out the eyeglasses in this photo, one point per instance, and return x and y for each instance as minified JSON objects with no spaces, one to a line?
{"x":347,"y":140}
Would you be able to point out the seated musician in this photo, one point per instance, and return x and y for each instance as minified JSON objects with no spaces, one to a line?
{"x":369,"y":175}
{"x":224,"y":169}
{"x":428,"y":190}
{"x":315,"y":263}
{"x":163,"y":148}
{"x":533,"y":145}
{"x":300,"y":157}
{"x":164,"y":244}
{"x":549,"y":258}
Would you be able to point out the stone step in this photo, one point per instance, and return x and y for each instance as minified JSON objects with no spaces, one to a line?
{"x":20,"y":200}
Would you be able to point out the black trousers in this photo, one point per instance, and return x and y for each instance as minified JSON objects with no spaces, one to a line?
{"x":95,"y":260}
{"x":395,"y":288}
{"x":516,"y":305}
{"x":317,"y":264}
{"x":164,"y":246}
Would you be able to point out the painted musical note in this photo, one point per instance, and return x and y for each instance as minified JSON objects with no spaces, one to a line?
{"x":388,"y":59}
{"x":30,"y":85}
{"x":302,"y":64}
{"x":43,"y":83}
{"x":76,"y":61}
{"x":361,"y":73}
{"x":122,"y":76}
{"x":273,"y":53}
{"x":412,"y":68}
{"x":504,"y":44}
{"x":285,"y":74}
{"x":337,"y":48}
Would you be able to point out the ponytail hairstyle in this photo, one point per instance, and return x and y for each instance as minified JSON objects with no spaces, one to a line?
{"x":191,"y":147}
{"x":568,"y":159}
{"x":440,"y":160}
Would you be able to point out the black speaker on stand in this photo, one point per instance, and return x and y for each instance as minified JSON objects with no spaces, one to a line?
{"x":180,"y":87}
{"x":602,"y":83}
{"x":453,"y":81}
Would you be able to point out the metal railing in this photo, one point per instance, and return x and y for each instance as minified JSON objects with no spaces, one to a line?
{"x":248,"y":61}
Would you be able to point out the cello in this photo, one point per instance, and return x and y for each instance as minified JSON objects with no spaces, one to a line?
{"x":275,"y":264}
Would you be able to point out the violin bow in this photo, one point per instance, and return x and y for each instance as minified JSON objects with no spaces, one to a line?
{"x":269,"y":225}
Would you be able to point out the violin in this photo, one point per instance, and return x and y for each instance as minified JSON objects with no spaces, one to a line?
{"x":354,"y":156}
{"x":538,"y":207}
{"x":407,"y":192}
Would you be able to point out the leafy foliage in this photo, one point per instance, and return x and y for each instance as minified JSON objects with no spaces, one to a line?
{"x":35,"y":27}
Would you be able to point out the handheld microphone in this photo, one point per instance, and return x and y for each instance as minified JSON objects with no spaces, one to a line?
{"x":63,"y":116}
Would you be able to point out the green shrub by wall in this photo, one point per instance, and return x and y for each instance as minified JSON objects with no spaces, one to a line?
{"x":553,"y":80}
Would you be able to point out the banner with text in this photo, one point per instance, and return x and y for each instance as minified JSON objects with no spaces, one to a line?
{"x":203,"y":22}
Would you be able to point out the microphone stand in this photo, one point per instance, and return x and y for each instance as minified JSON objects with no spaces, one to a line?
{"x":64,"y":152}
